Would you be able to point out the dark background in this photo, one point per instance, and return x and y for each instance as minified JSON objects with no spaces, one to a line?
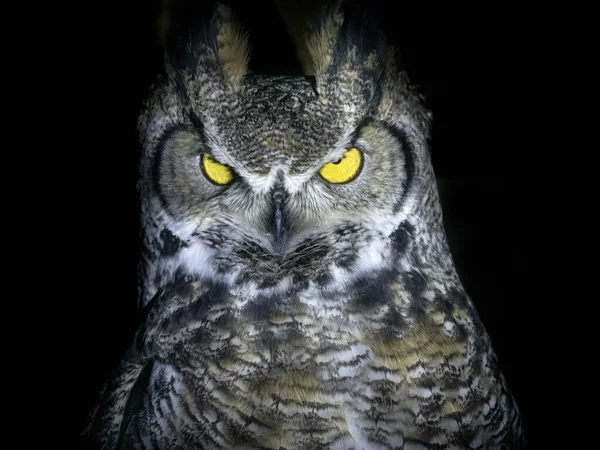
{"x":468,"y":63}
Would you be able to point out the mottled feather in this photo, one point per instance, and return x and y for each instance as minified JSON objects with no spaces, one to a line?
{"x":284,"y":311}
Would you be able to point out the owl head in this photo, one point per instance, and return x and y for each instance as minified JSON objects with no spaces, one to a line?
{"x":271,"y":183}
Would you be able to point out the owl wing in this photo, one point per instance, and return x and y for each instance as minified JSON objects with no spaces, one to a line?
{"x":120,"y":398}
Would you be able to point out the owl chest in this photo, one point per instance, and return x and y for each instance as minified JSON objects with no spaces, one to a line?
{"x":271,"y":383}
{"x":285,"y":360}
{"x":291,"y":375}
{"x":286,"y":394}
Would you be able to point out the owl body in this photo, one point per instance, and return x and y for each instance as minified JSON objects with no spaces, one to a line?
{"x":286,"y":309}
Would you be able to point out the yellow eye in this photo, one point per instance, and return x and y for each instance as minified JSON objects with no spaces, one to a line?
{"x":216,"y":172}
{"x":345,"y":170}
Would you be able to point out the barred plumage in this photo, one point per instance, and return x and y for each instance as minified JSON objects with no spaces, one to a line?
{"x":284,"y":311}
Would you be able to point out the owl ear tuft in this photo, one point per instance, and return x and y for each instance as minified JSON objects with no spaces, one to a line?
{"x":204,"y":40}
{"x":346,"y":45}
{"x":323,"y":36}
{"x":233,"y":46}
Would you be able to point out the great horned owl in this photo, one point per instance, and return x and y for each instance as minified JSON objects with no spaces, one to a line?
{"x":298,"y":288}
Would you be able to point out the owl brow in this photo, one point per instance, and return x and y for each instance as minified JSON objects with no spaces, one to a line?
{"x":200,"y":129}
{"x":353,"y":137}
{"x":198,"y":125}
{"x":365,"y":121}
{"x":376,"y":98}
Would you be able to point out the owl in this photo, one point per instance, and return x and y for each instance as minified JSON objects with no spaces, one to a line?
{"x":296,"y":284}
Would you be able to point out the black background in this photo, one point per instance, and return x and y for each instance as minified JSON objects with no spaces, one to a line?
{"x":467,"y":62}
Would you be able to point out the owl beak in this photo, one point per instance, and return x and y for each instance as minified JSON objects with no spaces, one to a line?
{"x":278,"y":226}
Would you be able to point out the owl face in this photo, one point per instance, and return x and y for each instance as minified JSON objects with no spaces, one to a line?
{"x":275,"y":181}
